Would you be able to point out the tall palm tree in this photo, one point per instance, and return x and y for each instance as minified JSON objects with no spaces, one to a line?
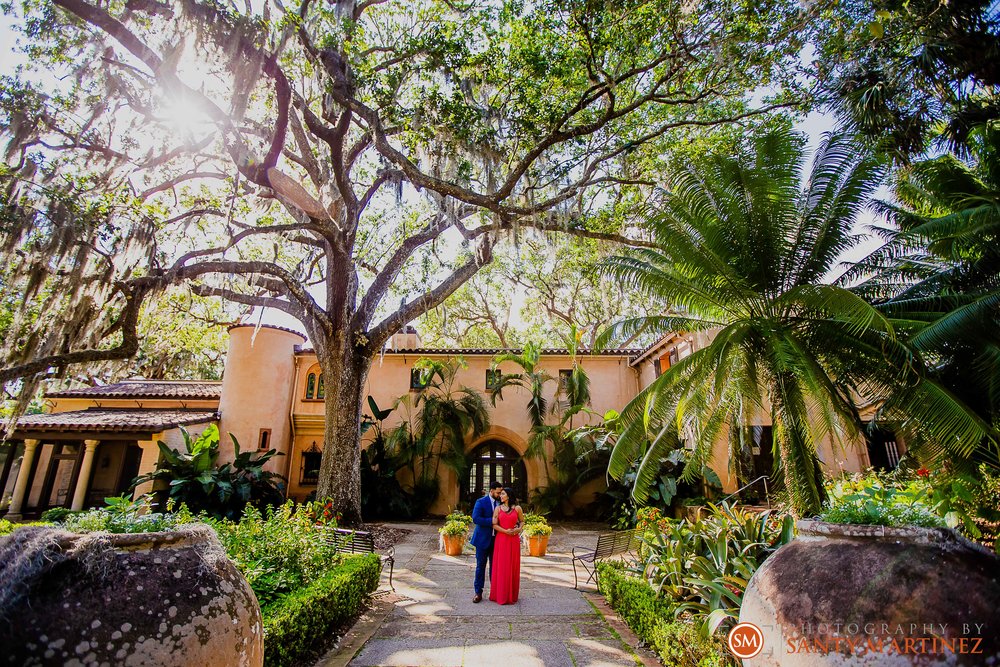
{"x":438,"y":421}
{"x":571,"y":398}
{"x":745,"y":251}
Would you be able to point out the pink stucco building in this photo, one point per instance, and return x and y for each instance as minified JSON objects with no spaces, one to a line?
{"x":93,"y":441}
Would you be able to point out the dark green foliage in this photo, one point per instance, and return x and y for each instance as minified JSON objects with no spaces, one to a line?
{"x":222,"y":492}
{"x":651,"y":617}
{"x":382,"y":496}
{"x":938,"y":278}
{"x":906,"y":72}
{"x":439,"y":419}
{"x":297,"y":625}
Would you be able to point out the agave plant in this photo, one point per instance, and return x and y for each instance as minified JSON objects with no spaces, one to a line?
{"x":704,"y":566}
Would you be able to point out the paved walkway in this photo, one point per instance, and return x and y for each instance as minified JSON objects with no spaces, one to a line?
{"x":431,"y":620}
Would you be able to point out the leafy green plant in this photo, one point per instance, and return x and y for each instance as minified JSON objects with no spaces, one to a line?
{"x":296,"y":625}
{"x":871,"y":500}
{"x":278,"y":550}
{"x":123,"y":515}
{"x":454,"y":528}
{"x":56,"y":514}
{"x":438,"y":420}
{"x":535,"y":524}
{"x":703,"y":566}
{"x":382,"y":496}
{"x":8,"y":527}
{"x":223,"y":491}
{"x":461,"y":517}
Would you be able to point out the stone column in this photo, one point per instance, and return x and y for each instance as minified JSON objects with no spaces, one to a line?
{"x":21,"y":484}
{"x":84,"y":478}
{"x":147,"y":464}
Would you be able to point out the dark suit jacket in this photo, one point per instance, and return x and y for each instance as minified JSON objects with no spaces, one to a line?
{"x":482,"y":516}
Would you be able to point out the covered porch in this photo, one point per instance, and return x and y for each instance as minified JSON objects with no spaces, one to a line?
{"x":77,"y":459}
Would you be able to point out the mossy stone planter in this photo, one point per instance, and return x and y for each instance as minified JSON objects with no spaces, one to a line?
{"x":872,"y":595}
{"x":170,"y":598}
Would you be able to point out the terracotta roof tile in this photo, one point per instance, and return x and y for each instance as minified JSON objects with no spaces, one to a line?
{"x":114,"y":419}
{"x":550,"y":351}
{"x":146,"y":389}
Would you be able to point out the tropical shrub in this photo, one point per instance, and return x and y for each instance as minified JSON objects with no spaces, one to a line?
{"x":746,"y":247}
{"x":297,"y":624}
{"x":382,"y":496}
{"x":222,"y":491}
{"x":279,"y":550}
{"x":703,"y":566}
{"x":437,"y":422}
{"x":653,"y":618}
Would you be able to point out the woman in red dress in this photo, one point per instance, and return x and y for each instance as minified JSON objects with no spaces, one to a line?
{"x":505,"y":577}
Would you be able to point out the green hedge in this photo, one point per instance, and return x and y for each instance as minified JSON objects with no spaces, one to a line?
{"x":296,"y":624}
{"x":651,"y":617}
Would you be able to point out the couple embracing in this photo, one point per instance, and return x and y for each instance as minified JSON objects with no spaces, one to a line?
{"x":497,"y":539}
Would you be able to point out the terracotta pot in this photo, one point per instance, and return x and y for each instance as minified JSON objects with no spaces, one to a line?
{"x":871,"y":595}
{"x":453,"y":544}
{"x":537,"y":544}
{"x":169,"y":598}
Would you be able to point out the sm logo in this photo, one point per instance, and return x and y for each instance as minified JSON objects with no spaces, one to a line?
{"x":745,"y":640}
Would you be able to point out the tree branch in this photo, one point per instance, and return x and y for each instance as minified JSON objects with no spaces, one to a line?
{"x":378,"y":336}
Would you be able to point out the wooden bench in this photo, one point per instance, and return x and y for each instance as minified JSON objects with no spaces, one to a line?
{"x":608,"y":545}
{"x":347,"y":541}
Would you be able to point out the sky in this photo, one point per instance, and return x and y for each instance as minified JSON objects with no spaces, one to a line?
{"x":813,"y":125}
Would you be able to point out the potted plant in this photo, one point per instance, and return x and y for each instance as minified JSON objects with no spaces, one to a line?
{"x":536,"y":531}
{"x":453,"y":536}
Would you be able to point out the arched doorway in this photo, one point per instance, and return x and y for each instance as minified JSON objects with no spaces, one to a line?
{"x":495,"y":461}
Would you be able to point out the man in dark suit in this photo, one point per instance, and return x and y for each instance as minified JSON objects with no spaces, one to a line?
{"x":482,"y":536}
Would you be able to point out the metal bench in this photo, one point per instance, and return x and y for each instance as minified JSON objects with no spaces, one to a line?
{"x":608,"y":545}
{"x":347,"y":541}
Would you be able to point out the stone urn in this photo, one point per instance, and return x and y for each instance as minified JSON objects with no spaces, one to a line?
{"x":170,"y":598}
{"x":872,"y":595}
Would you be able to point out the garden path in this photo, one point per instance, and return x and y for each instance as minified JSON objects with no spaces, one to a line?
{"x":431,"y":619}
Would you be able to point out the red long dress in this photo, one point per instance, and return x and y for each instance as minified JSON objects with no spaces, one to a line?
{"x":505,"y":579}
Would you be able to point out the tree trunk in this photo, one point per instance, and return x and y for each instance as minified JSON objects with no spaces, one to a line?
{"x":344,"y":374}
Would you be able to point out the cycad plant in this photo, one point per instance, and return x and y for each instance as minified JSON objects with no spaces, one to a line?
{"x":938,"y":275}
{"x":745,"y":254}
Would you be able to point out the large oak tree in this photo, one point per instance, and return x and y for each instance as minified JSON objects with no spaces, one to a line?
{"x":303,"y":156}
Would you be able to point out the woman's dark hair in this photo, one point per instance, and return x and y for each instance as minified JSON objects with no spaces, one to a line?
{"x":511,"y":498}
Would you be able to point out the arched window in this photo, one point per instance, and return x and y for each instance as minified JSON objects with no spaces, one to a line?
{"x":311,"y":386}
{"x":321,"y":392}
{"x":494,"y":461}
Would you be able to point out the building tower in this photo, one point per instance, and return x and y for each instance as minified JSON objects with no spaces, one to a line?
{"x":257,"y":390}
